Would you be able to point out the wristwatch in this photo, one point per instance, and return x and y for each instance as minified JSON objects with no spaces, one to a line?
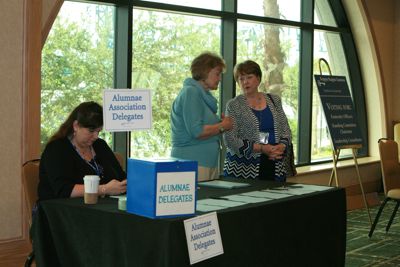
{"x":221,"y":129}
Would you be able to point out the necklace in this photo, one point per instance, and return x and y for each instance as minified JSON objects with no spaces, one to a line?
{"x":85,"y":153}
{"x":92,"y":161}
{"x":256,"y":102}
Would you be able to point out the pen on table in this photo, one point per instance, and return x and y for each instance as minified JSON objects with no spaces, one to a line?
{"x":295,"y":186}
{"x":278,"y":189}
{"x":220,"y":198}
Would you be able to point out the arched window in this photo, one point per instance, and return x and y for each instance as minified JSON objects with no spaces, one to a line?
{"x":150,"y":44}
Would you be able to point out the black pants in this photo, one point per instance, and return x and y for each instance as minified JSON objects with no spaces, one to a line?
{"x":267,"y":169}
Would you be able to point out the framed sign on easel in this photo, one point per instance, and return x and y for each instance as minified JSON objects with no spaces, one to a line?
{"x":341,"y":119}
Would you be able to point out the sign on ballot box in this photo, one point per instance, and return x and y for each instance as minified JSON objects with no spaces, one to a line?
{"x":161,"y":187}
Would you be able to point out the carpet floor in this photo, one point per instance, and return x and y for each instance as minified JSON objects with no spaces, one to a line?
{"x":382,"y":249}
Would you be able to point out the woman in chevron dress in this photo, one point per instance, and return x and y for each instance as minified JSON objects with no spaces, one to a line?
{"x":258,"y":141}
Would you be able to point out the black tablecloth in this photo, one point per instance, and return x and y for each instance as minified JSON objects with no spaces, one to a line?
{"x":306,"y":230}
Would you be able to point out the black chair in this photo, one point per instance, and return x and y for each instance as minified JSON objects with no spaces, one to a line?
{"x":390,"y":168}
{"x":30,"y":180}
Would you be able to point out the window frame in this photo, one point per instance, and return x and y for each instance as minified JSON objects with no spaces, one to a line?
{"x":229,"y":18}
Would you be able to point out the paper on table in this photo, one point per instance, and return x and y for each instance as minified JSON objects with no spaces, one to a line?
{"x":292,"y":191}
{"x":220,"y":202}
{"x":297,"y":189}
{"x":265,"y":194}
{"x":207,"y":208}
{"x":304,"y":189}
{"x":223,"y":184}
{"x":313,"y":187}
{"x":246,"y":199}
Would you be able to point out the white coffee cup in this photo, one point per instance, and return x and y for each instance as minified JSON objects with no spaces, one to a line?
{"x":91,"y":183}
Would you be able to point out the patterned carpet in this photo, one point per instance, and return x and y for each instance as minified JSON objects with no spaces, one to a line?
{"x":382,"y":249}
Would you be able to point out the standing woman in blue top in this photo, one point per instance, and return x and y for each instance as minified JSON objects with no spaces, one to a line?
{"x":259,"y":140}
{"x":195,"y":126}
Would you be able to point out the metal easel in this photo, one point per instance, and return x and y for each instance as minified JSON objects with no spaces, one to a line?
{"x":336,"y":153}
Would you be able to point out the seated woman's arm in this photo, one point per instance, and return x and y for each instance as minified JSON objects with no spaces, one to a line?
{"x":113,"y":187}
{"x":57,"y":170}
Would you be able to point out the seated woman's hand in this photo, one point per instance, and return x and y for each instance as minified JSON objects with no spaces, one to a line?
{"x":115,"y":187}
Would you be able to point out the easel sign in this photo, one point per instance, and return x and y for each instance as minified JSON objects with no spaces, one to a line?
{"x":127,"y":109}
{"x":339,"y":111}
{"x":341,"y":119}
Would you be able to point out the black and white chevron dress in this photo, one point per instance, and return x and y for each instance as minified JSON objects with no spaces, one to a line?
{"x":240,"y":160}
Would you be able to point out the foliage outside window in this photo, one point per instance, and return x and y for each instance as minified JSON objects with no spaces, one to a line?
{"x":77,"y":63}
{"x":276,"y":50}
{"x":280,"y":9}
{"x":164,"y":46}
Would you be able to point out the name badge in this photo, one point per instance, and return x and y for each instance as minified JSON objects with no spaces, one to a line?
{"x":264,"y":137}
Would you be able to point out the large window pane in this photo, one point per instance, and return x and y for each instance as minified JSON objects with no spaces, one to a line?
{"x":280,"y":9}
{"x":328,"y":46}
{"x":208,"y":4}
{"x":77,"y":62}
{"x":276,"y":50}
{"x":164,"y":45}
{"x":323,"y":13}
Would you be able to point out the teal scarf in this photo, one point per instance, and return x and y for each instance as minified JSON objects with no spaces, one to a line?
{"x":208,"y":98}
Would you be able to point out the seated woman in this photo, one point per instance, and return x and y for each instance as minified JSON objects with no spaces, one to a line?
{"x":76,"y":150}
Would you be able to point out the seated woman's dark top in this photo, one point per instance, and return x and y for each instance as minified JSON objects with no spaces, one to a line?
{"x":61,"y":167}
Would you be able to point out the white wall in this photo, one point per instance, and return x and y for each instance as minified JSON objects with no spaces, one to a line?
{"x":11,"y":83}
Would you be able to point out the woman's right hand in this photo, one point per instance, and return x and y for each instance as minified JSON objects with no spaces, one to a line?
{"x":115,"y":187}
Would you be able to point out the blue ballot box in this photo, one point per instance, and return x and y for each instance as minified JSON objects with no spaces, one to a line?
{"x":161,"y":188}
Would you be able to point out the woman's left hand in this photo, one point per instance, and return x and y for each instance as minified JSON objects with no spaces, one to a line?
{"x":276,"y":152}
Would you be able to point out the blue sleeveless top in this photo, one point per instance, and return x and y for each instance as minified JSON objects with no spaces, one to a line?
{"x":266,"y":122}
